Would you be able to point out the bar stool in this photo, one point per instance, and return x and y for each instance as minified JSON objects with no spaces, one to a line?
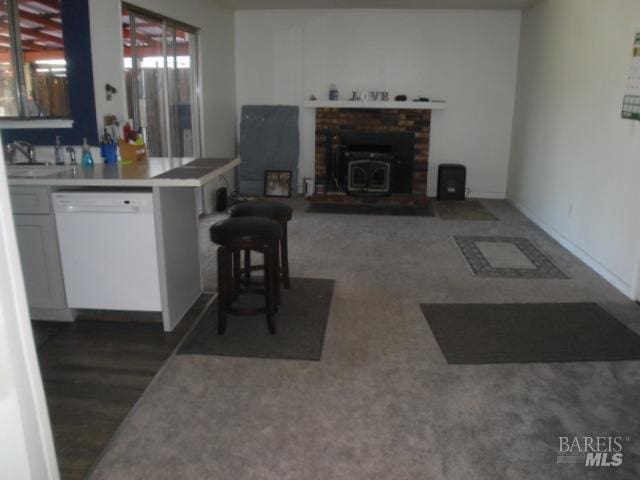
{"x":235,"y":235}
{"x":276,"y":211}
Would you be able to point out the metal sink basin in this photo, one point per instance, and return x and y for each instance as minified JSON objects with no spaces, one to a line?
{"x":35,"y":170}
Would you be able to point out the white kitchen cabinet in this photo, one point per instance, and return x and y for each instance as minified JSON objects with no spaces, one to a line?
{"x":39,"y":253}
{"x":40,"y":260}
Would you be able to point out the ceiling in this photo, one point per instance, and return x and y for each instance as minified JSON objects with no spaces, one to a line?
{"x":40,"y":30}
{"x":439,"y":4}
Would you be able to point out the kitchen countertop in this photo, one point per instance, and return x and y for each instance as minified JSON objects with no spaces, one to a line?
{"x":154,"y":172}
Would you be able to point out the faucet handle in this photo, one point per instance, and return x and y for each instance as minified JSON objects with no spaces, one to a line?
{"x":9,"y":153}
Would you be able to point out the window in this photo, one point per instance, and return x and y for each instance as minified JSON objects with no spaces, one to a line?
{"x":160,"y":65}
{"x":33,"y":70}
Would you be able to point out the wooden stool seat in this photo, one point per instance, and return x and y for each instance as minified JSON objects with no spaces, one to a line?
{"x":245,"y":234}
{"x":275,"y":211}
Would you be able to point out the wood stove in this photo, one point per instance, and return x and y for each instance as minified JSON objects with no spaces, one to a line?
{"x":369,"y":172}
{"x":371,"y":163}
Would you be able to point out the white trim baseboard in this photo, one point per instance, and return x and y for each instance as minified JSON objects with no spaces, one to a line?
{"x":584,"y":256}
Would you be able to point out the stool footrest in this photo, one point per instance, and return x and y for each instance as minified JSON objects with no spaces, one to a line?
{"x":253,"y":287}
{"x":254,"y":268}
{"x":247,"y":310}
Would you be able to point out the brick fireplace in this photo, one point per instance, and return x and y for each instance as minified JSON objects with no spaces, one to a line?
{"x":345,"y":138}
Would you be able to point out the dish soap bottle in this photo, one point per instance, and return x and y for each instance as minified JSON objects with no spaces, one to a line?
{"x":59,"y":153}
{"x":87,"y":159}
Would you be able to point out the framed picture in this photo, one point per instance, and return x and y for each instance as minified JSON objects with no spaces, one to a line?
{"x":277,"y":183}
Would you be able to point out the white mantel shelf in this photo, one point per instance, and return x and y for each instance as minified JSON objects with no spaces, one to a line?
{"x":410,"y":105}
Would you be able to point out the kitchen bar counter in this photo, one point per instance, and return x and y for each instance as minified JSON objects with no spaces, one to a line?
{"x":171,"y":185}
{"x":154,"y":172}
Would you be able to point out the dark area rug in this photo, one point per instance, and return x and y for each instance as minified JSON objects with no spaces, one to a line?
{"x":529,"y":332}
{"x":372,"y":209}
{"x":301,"y":324}
{"x":471,"y":210}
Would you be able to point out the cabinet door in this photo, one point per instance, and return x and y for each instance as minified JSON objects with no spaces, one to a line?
{"x":40,"y":260}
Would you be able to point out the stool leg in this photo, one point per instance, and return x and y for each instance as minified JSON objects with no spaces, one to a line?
{"x":236,"y":274}
{"x":276,"y":274}
{"x":224,"y":269}
{"x":247,"y":266}
{"x":284,"y":257}
{"x":269,"y":289}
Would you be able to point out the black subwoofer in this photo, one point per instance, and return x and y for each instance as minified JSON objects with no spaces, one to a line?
{"x":221,"y":199}
{"x":452,"y":180}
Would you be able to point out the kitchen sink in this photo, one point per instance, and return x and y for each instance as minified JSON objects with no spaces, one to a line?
{"x":35,"y":171}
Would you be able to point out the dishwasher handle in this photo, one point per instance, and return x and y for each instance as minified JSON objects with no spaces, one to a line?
{"x":101,"y":209}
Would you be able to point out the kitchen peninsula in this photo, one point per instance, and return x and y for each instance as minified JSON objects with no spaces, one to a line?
{"x":59,"y":257}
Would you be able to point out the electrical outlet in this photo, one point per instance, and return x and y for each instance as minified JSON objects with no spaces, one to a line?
{"x":570,"y":210}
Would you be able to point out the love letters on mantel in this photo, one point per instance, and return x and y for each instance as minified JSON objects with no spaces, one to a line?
{"x":370,"y":95}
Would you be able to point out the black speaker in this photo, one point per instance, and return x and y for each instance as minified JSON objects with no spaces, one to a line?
{"x":452,"y":180}
{"x":221,"y":199}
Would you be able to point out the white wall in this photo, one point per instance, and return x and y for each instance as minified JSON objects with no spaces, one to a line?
{"x":216,"y":52}
{"x":575,"y":163}
{"x":468,"y":58}
{"x":26,"y":443}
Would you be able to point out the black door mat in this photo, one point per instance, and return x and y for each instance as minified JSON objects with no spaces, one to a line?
{"x":471,"y":210}
{"x":372,"y":209}
{"x":529,"y":332}
{"x":301,"y":324}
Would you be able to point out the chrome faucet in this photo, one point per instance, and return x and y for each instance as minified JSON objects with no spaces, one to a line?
{"x":72,"y":155}
{"x":23,"y":147}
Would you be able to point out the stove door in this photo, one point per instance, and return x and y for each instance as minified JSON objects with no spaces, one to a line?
{"x":358,"y":175}
{"x":379,"y":173}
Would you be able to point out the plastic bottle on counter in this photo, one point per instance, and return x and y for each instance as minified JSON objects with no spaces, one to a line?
{"x":87,"y":158}
{"x":59,"y":153}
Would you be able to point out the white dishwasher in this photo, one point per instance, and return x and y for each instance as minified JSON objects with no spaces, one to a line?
{"x":108,"y":248}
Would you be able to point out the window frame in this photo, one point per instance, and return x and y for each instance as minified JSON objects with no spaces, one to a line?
{"x":17,"y":60}
{"x":196,"y":94}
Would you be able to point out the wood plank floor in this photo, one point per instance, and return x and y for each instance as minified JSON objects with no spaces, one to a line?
{"x":94,"y":371}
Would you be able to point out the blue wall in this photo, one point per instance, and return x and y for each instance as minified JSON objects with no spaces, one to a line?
{"x":77,"y":47}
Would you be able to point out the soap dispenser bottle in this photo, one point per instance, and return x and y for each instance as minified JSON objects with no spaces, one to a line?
{"x":87,"y":159}
{"x":59,"y":153}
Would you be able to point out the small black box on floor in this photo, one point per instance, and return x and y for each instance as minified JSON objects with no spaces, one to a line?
{"x":221,"y":199}
{"x":452,"y":181}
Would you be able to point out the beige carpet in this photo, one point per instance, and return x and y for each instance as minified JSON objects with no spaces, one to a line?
{"x":382,"y":403}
